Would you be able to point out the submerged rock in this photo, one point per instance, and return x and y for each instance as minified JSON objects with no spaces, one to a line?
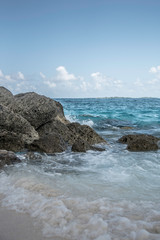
{"x":7,"y":158}
{"x":126,"y":128}
{"x":140,"y":142}
{"x":33,"y":156}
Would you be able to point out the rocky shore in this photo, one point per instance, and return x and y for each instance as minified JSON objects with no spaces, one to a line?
{"x":36,"y":123}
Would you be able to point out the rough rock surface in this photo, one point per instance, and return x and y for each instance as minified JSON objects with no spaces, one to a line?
{"x":38,"y":109}
{"x":8,"y":157}
{"x":82,"y":146}
{"x":11,"y":141}
{"x":49,"y":144}
{"x":85,"y":132}
{"x":6,"y":97}
{"x":140,"y":142}
{"x":14,"y":127}
{"x":38,"y":123}
{"x":71,"y":132}
{"x":58,"y":128}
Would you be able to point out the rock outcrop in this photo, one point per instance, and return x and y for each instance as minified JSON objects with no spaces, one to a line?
{"x":35,"y":122}
{"x":15,"y":131}
{"x":6,"y":97}
{"x":140,"y":142}
{"x":85,"y":132}
{"x":7,"y":158}
{"x":38,"y":109}
{"x":49,"y":143}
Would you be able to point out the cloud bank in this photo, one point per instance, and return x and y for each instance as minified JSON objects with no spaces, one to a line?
{"x":66,"y":84}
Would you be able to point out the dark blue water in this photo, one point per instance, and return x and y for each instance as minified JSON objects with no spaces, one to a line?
{"x":110,"y":195}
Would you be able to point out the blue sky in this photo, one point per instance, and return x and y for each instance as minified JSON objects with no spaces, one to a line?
{"x":81,"y":48}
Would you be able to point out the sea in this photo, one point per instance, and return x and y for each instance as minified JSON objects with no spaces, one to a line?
{"x":109,"y":195}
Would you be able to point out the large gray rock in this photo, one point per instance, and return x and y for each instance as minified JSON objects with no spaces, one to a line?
{"x":71,"y":132}
{"x":140,"y":142}
{"x":85,"y":132}
{"x":25,"y":117}
{"x":58,"y":128}
{"x":6,"y":97}
{"x":11,"y":141}
{"x":15,"y":131}
{"x":38,"y":109}
{"x":50,"y":143}
{"x":7,"y":158}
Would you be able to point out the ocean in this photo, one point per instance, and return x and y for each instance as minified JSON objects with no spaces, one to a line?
{"x":110,"y":195}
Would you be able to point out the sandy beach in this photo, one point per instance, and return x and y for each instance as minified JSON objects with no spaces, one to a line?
{"x":18,"y":226}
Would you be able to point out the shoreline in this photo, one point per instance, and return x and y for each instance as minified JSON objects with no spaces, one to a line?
{"x":18,"y":226}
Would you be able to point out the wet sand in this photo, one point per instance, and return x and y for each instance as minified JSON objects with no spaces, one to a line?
{"x":18,"y":226}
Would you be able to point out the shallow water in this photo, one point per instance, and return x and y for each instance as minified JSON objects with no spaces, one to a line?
{"x":95,"y":195}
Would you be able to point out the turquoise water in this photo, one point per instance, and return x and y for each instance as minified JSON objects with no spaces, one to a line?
{"x":110,"y":195}
{"x":142,"y":114}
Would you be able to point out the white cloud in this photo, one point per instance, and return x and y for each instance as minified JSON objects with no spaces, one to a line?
{"x":154,"y":69}
{"x":1,"y":74}
{"x":98,"y":77}
{"x":97,"y":84}
{"x":63,"y":75}
{"x":85,"y":86}
{"x":20,"y":76}
{"x":50,"y":84}
{"x":138,"y":83}
{"x":118,"y":83}
{"x":153,"y":81}
{"x":42,"y":75}
{"x":102,"y":82}
{"x":156,"y":73}
{"x":99,"y":80}
{"x":8,"y":77}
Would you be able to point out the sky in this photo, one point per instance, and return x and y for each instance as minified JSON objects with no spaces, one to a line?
{"x":81,"y":48}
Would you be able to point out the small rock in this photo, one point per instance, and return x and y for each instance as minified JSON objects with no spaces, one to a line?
{"x":95,"y":148}
{"x":140,"y":142}
{"x":33,"y":156}
{"x":126,"y":128}
{"x":8,"y":157}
